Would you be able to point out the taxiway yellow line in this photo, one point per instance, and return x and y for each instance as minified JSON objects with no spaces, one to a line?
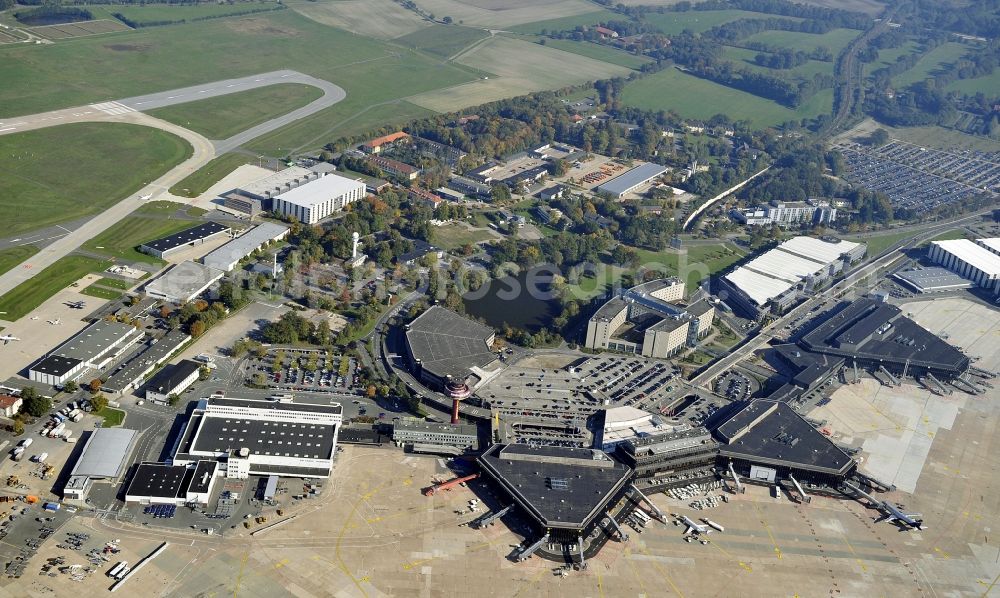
{"x":864,"y":568}
{"x":767,"y":528}
{"x":990,"y":587}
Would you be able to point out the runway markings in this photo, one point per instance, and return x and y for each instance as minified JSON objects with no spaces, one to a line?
{"x":990,"y":587}
{"x":112,"y":108}
{"x":943,"y":554}
{"x":856,"y":557}
{"x":664,"y":574}
{"x":774,"y":543}
{"x":725,"y":553}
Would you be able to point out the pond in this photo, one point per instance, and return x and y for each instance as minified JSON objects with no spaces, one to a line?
{"x":523,"y":301}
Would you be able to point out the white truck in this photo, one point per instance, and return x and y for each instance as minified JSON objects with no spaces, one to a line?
{"x":41,"y":458}
{"x":26,"y":442}
{"x":57,"y":431}
{"x":67,"y":434}
{"x":77,"y":417}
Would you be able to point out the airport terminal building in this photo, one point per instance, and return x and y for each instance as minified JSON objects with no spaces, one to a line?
{"x":449,"y":352}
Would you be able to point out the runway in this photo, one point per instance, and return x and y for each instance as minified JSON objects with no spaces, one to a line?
{"x":129,"y":110}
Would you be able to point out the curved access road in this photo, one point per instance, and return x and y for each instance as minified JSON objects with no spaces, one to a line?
{"x":128,"y":110}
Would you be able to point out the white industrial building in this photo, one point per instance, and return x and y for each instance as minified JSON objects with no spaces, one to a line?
{"x":183,"y":282}
{"x":317,"y":199}
{"x":93,"y":348}
{"x":776,"y":279}
{"x":226,"y":258}
{"x":104,"y":457}
{"x":262,"y":437}
{"x":633,"y":179}
{"x":978,"y":261}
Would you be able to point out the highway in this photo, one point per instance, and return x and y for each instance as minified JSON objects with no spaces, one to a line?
{"x":861,"y":273}
{"x":128,"y":111}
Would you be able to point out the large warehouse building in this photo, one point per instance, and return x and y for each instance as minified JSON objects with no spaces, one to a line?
{"x":776,"y":279}
{"x":633,"y":179}
{"x":978,"y":261}
{"x":183,"y":282}
{"x":647,"y":320}
{"x":226,"y":258}
{"x":257,"y":196}
{"x":103,"y":458}
{"x":93,"y":348}
{"x":190,"y":237}
{"x":317,"y":199}
{"x":163,"y":484}
{"x":262,"y":437}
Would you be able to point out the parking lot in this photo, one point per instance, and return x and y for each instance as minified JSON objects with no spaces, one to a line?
{"x":920,"y":178}
{"x":307,"y":370}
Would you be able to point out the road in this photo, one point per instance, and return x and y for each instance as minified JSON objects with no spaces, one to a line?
{"x":127,"y":111}
{"x":863,"y":272}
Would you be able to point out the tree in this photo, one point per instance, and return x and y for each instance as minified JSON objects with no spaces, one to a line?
{"x":95,"y":385}
{"x":500,"y":193}
{"x":446,"y":20}
{"x":197,"y":328}
{"x":879,"y":137}
{"x":17,"y":427}
{"x":33,"y":403}
{"x":99,"y":403}
{"x":173,"y":399}
{"x":71,"y":386}
{"x":204,"y":372}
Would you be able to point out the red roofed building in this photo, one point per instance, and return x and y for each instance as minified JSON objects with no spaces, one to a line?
{"x":375,"y":145}
{"x":425,"y":197}
{"x":9,"y":406}
{"x":605,"y":32}
{"x":394,"y":167}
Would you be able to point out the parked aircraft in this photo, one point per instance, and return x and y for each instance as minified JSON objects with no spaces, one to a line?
{"x":76,"y":304}
{"x":6,"y":338}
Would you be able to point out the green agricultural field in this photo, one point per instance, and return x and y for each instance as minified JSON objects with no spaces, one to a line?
{"x":745,"y":58}
{"x":443,"y":41}
{"x":151,"y":13}
{"x":160,"y":58}
{"x":30,"y":294}
{"x":224,"y":116}
{"x":934,"y":61}
{"x":71,"y":171}
{"x":889,"y":56}
{"x":145,"y":224}
{"x":693,"y":97}
{"x":699,"y":21}
{"x":200,"y":180}
{"x":13,"y":256}
{"x":986,"y":85}
{"x":835,"y":40}
{"x":598,"y":52}
{"x":566,"y":23}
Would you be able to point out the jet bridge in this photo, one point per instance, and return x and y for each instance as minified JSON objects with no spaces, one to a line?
{"x":736,"y":479}
{"x":489,"y":518}
{"x":802,"y":493}
{"x":530,"y":550}
{"x":640,"y":498}
{"x":614,"y":524}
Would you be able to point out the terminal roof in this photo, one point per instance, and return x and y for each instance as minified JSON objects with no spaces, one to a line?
{"x":448,"y":344}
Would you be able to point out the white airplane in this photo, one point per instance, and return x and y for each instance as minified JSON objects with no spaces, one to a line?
{"x":891,"y":512}
{"x":145,"y":197}
{"x":694,"y":527}
{"x":55,"y":322}
{"x":6,"y":338}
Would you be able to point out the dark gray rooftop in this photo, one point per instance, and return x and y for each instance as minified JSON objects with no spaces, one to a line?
{"x":279,"y":439}
{"x":612,"y":308}
{"x":186,"y":236}
{"x":171,"y":376}
{"x":771,"y":432}
{"x":331,"y":409}
{"x":933,"y":279}
{"x":55,"y":365}
{"x":151,"y":355}
{"x":158,"y":480}
{"x":903,"y":341}
{"x":449,"y":344}
{"x":94,"y":340}
{"x":203,"y":474}
{"x":559,"y":487}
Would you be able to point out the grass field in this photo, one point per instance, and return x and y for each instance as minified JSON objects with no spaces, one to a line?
{"x":587,"y":19}
{"x":80,"y":29}
{"x":13,"y":256}
{"x":115,"y":283}
{"x":98,"y":164}
{"x":112,"y":417}
{"x":517,"y":67}
{"x":149,"y":13}
{"x":383,"y":19}
{"x":96,"y":290}
{"x":30,"y":294}
{"x":224,"y":116}
{"x":598,"y":52}
{"x":443,"y":41}
{"x":505,"y":14}
{"x":745,"y":58}
{"x":453,"y":236}
{"x":877,"y":243}
{"x":161,"y":58}
{"x":834,"y":40}
{"x":151,"y":221}
{"x":888,"y":56}
{"x":987,"y":85}
{"x":698,"y":21}
{"x":199,"y":181}
{"x":931,"y":63}
{"x":692,"y":97}
{"x":930,"y":136}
